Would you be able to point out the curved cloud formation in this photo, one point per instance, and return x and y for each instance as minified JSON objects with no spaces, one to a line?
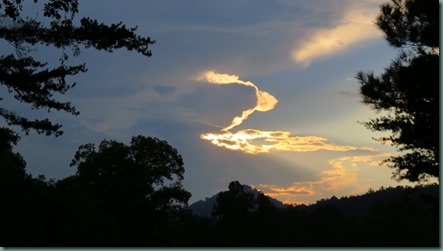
{"x":256,"y":141}
{"x":265,"y":101}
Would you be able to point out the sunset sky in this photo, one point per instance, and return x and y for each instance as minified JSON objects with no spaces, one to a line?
{"x":263,"y":92}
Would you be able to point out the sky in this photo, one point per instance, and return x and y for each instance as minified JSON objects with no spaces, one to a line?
{"x":263,"y":92}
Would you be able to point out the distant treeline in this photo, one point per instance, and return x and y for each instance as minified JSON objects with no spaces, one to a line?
{"x":389,"y":217}
{"x":36,"y":212}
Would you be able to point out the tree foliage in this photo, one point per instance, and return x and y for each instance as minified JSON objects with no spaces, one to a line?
{"x":408,"y":90}
{"x":40,"y":213}
{"x":147,"y":172}
{"x":12,"y":168}
{"x":376,"y":219}
{"x":233,"y":205}
{"x":410,"y":23}
{"x":30,"y":80}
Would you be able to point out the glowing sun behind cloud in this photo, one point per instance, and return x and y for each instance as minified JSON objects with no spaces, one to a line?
{"x":255,"y":141}
{"x":341,"y":177}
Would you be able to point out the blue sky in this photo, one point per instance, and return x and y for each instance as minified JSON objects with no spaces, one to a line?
{"x":303,"y":53}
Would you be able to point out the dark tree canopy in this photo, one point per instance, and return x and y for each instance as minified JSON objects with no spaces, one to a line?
{"x":408,"y":90}
{"x":147,"y":172}
{"x":233,"y":205}
{"x":12,"y":168}
{"x":410,"y":23}
{"x":31,"y":81}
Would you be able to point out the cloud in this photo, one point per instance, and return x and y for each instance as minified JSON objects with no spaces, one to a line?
{"x":248,"y":141}
{"x":254,"y":141}
{"x":356,"y":26}
{"x":265,"y":101}
{"x":164,"y":90}
{"x":343,"y":178}
{"x":275,"y":191}
{"x":349,"y":94}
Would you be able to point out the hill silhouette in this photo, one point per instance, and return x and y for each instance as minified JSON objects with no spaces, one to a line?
{"x":390,"y":217}
{"x":356,"y":205}
{"x":203,"y":208}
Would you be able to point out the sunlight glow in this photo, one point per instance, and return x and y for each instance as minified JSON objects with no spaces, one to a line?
{"x":275,"y":140}
{"x":256,"y":141}
{"x":357,"y":26}
{"x":341,"y":179}
{"x":265,"y":101}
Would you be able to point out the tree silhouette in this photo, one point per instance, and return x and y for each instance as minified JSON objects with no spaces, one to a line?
{"x":12,"y":168}
{"x":26,"y":201}
{"x":136,"y":187}
{"x":12,"y":181}
{"x":408,"y":90}
{"x":31,"y":81}
{"x":233,"y":211}
{"x":148,"y":172}
{"x":234,"y":204}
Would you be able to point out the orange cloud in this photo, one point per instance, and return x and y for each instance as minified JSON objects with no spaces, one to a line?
{"x":265,"y":101}
{"x":249,"y":141}
{"x":342,"y":179}
{"x":356,"y":26}
{"x":256,"y":141}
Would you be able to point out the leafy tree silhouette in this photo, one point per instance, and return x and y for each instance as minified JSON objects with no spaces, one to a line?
{"x":233,"y":212}
{"x":12,"y":182}
{"x":139,"y":185}
{"x":401,"y":222}
{"x":408,"y":90}
{"x":121,"y":195}
{"x":234,"y":204}
{"x":30,"y":80}
{"x":38,"y":83}
{"x":12,"y":169}
{"x":26,"y":201}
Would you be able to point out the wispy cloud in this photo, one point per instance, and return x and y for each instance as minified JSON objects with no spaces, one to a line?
{"x":341,"y":179}
{"x":255,"y":141}
{"x":265,"y":101}
{"x":249,"y":141}
{"x":356,"y":26}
